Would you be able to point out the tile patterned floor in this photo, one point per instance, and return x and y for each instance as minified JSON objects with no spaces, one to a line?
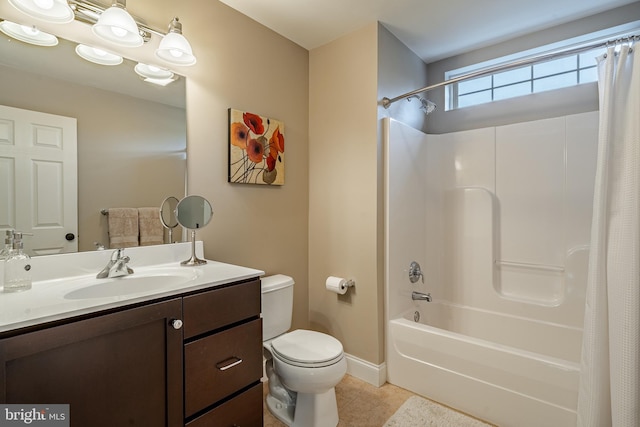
{"x":360,"y":404}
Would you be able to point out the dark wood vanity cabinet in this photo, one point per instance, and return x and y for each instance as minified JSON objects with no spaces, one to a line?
{"x":118,"y":369}
{"x":133,"y":367}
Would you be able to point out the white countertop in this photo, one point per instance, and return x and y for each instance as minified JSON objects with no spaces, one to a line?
{"x":59,"y":279}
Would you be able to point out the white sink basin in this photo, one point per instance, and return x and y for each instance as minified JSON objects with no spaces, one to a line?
{"x":148,"y":281}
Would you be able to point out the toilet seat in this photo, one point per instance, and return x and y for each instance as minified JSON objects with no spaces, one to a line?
{"x":307,"y":349}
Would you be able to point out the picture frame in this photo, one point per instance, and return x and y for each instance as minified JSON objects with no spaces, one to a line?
{"x":256,"y":149}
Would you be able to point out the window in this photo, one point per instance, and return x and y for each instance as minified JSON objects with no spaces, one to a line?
{"x":557,"y":73}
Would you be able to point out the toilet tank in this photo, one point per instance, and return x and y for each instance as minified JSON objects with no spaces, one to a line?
{"x":277,"y":305}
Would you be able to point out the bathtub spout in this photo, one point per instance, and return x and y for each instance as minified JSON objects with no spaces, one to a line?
{"x":419,"y":296}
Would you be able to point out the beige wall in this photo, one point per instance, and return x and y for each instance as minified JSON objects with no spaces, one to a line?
{"x":244,"y":65}
{"x":400,"y":71}
{"x":343,"y":211}
{"x":346,"y":227}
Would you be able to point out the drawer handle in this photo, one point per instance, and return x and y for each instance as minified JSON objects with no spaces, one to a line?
{"x":234,"y":361}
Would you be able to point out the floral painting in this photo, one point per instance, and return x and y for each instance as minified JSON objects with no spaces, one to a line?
{"x":256,"y":149}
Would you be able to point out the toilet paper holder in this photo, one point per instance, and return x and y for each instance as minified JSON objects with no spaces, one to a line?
{"x":339,"y":285}
{"x":350,"y":283}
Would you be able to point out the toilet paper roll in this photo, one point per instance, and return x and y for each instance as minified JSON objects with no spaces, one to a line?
{"x":337,"y":285}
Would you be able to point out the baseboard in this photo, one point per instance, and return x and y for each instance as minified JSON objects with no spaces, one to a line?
{"x":366,"y":371}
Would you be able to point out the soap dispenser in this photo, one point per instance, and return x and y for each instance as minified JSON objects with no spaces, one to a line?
{"x":17,"y":266}
{"x":8,"y":245}
{"x":6,"y":251}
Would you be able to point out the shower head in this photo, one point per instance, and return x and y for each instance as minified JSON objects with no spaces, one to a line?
{"x":426,"y":106}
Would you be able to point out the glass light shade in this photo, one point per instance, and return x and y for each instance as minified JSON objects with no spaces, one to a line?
{"x":117,"y":26}
{"x":159,"y":82}
{"x":56,"y":11}
{"x":175,"y":49}
{"x":152,"y":72}
{"x":28,"y":34}
{"x":97,"y":56}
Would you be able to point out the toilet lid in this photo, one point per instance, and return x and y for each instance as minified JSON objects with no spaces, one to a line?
{"x":307,"y":347}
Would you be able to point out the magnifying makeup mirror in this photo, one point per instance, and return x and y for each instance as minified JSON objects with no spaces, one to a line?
{"x":168,"y":215}
{"x":193,"y":212}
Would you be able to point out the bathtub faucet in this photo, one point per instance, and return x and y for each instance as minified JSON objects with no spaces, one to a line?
{"x":415,"y":272}
{"x":419,"y":296}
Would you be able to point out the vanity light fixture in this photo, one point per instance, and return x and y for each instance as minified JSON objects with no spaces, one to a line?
{"x":155,"y":75}
{"x":152,"y":72}
{"x":98,"y":56}
{"x":174,"y":47}
{"x":27,"y":34}
{"x":55,"y":11}
{"x":159,"y":82}
{"x":115,"y":25}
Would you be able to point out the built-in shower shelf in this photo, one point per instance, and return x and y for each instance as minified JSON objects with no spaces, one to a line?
{"x":529,"y":265}
{"x":532,"y":283}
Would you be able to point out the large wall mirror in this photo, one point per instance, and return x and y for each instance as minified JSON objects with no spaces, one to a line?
{"x":131,"y":135}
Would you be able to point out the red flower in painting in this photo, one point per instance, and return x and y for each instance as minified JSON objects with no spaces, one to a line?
{"x":271,"y":163}
{"x":255,"y":150}
{"x":277,"y":141}
{"x":273,"y":152}
{"x":254,"y":122}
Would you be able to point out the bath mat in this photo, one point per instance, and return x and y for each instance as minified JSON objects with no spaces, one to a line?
{"x":417,"y":411}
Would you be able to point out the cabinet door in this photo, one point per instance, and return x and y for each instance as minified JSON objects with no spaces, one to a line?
{"x":118,"y":369}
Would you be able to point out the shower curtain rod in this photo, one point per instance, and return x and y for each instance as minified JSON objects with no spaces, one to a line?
{"x":386,"y":102}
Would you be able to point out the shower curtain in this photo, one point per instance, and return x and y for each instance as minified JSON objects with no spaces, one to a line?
{"x":610,"y":372}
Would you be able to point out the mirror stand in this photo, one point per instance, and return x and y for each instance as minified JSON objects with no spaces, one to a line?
{"x":194,"y":260}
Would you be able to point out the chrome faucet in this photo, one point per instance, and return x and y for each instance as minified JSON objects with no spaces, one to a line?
{"x":415,"y":272}
{"x":419,"y":296}
{"x":117,"y":266}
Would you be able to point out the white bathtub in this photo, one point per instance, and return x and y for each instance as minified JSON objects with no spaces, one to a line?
{"x":502,"y":338}
{"x":483,"y":363}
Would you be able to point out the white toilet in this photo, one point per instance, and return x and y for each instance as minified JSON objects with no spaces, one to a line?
{"x":303,"y":367}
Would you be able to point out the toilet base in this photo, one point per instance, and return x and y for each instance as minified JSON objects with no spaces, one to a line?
{"x":283,"y":412}
{"x":310,"y":410}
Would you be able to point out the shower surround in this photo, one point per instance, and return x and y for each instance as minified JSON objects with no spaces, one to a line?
{"x":499,"y":219}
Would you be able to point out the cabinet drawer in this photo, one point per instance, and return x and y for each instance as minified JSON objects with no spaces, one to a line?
{"x":244,"y":410}
{"x":221,"y":364}
{"x":220,"y":307}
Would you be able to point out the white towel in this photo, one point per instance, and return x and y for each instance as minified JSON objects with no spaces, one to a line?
{"x":123,"y":227}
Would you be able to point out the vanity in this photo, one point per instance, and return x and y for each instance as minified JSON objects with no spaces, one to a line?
{"x":167,"y":346}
